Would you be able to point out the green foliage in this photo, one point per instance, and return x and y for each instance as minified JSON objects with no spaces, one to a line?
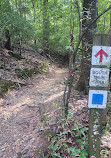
{"x":15,"y":55}
{"x":26,"y":73}
{"x":103,"y":24}
{"x":44,"y":66}
{"x":60,"y":24}
{"x":25,"y":21}
{"x":19,"y":27}
{"x":71,"y":141}
{"x":5,"y":85}
{"x":104,"y":153}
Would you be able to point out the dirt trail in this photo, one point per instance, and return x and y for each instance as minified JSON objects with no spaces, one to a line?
{"x":21,"y":113}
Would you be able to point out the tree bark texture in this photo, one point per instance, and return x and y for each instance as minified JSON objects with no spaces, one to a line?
{"x":89,"y":14}
{"x":71,"y":64}
{"x":8,"y":42}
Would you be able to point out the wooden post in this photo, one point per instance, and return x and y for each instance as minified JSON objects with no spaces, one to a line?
{"x":96,"y":114}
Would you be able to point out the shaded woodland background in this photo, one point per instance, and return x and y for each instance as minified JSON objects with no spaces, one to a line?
{"x":53,"y":28}
{"x":35,"y":34}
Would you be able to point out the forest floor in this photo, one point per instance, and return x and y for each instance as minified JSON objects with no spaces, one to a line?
{"x":28,"y":114}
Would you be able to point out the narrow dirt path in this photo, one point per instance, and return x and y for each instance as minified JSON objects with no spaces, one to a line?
{"x":21,"y":113}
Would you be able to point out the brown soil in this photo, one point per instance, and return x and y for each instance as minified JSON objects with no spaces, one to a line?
{"x":24,"y":112}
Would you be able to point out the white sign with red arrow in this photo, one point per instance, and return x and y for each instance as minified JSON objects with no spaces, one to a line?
{"x":101,"y":55}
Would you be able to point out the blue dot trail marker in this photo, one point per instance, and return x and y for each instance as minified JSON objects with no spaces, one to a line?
{"x":97,"y":99}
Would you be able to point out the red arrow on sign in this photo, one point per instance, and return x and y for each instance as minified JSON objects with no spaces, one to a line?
{"x":101,"y":53}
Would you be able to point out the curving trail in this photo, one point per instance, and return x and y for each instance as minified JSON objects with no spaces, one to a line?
{"x":27,"y":113}
{"x":22,"y":111}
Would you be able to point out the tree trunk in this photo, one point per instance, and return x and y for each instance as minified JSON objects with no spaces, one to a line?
{"x":89,"y":14}
{"x":20,"y":8}
{"x":45,"y":27}
{"x":34,"y":21}
{"x":16,"y":5}
{"x":71,"y":38}
{"x":8,"y":42}
{"x":33,"y":4}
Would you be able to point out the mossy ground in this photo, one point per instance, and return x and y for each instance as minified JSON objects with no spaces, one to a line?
{"x":5,"y":85}
{"x":26,"y":73}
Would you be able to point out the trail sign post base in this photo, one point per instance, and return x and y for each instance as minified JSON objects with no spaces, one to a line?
{"x":99,"y":78}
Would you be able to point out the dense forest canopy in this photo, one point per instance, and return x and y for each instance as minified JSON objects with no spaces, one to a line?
{"x":25,"y":20}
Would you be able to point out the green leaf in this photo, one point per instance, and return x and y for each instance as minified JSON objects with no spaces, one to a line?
{"x":56,"y":155}
{"x":56,"y":146}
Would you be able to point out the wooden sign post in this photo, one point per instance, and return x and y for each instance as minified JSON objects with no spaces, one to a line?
{"x":99,"y":79}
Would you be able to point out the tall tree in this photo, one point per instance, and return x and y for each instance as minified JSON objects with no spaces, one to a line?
{"x":89,"y":14}
{"x":45,"y":27}
{"x":71,"y":37}
{"x":6,"y":8}
{"x":34,"y":13}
